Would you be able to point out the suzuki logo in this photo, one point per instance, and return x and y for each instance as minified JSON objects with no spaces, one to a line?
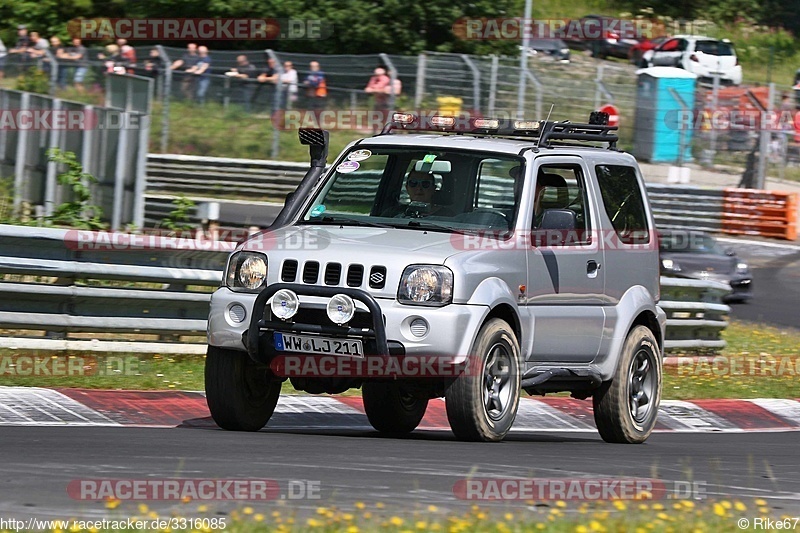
{"x":376,"y":278}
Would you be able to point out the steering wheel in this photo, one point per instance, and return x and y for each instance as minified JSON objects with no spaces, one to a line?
{"x":493,"y":212}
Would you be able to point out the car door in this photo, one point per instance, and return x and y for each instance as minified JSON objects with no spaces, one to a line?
{"x":670,"y":53}
{"x":564,"y":295}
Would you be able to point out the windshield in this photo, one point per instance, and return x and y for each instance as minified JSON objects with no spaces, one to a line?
{"x":423,"y":189}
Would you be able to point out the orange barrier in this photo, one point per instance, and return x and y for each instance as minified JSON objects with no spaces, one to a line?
{"x":760,"y":213}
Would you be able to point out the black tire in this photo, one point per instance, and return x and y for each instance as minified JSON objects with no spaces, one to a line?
{"x":240,"y":393}
{"x":638,"y":377}
{"x":482,"y":401}
{"x":390,"y":409}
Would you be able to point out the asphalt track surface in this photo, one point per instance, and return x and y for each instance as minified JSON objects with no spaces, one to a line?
{"x":776,"y":283}
{"x":358,"y":465}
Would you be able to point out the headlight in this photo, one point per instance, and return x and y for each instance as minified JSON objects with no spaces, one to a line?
{"x":247,"y":272}
{"x":742,"y":268}
{"x":285,"y":304}
{"x":426,"y":285}
{"x":669,"y":264}
{"x":341,"y":309}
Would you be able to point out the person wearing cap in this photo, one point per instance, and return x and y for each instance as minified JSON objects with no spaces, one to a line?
{"x":420,"y":187}
{"x":20,"y":49}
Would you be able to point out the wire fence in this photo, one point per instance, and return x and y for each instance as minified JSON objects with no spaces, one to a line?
{"x":484,"y":85}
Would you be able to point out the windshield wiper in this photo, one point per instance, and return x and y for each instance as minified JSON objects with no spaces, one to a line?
{"x":346,"y":221}
{"x":427,"y":224}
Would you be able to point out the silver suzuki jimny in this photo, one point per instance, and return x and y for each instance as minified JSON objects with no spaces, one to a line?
{"x":469,"y":260}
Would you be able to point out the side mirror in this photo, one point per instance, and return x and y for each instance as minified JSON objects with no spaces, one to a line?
{"x":558,"y":219}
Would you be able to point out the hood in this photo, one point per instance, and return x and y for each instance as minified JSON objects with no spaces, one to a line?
{"x":385,"y":252}
{"x":713,"y":264}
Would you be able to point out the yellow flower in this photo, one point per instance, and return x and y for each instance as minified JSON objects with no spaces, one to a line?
{"x":74,"y":528}
{"x":396,"y":521}
{"x":258,"y":517}
{"x":186,"y":499}
{"x":432,"y":508}
{"x":421,"y":525}
{"x":739,"y":506}
{"x":143,"y":508}
{"x":658,"y":507}
{"x":347,"y":517}
{"x":760,"y":502}
{"x":247,"y":510}
{"x":763,"y":510}
{"x":726,"y":504}
{"x":662,"y":516}
{"x":352,"y":529}
{"x":202,"y":508}
{"x":719,"y":510}
{"x":581,"y":529}
{"x":594,"y":525}
{"x":380,"y":505}
{"x":321,"y":510}
{"x":276,"y":514}
{"x":688,"y":504}
{"x":112,"y":503}
{"x":561,"y":504}
{"x":481,"y":516}
{"x":509,"y":517}
{"x":620,"y":505}
{"x":359,"y":505}
{"x":313,"y":522}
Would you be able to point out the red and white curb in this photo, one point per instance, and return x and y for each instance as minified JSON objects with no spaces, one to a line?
{"x":26,"y":406}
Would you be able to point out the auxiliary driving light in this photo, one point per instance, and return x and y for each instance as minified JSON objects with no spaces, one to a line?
{"x":285,"y":304}
{"x":443,"y":122}
{"x":403,"y":118}
{"x":486,"y":123}
{"x":341,"y":309}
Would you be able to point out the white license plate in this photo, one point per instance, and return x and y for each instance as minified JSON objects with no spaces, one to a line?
{"x":289,"y":342}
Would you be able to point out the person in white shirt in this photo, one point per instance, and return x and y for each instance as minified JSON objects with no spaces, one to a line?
{"x":289,"y":80}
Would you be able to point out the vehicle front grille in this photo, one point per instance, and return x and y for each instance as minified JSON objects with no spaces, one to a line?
{"x":289,"y":273}
{"x":311,"y":272}
{"x":333,"y":272}
{"x":355,"y":275}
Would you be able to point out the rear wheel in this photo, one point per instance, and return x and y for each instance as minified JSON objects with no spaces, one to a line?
{"x":241,"y":393}
{"x":482,"y":401}
{"x":391,"y":409}
{"x":626,"y":408}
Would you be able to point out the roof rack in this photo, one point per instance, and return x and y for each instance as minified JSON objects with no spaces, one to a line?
{"x":546,"y":133}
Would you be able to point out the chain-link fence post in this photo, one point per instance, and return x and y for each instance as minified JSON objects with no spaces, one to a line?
{"x":420,"y":93}
{"x":476,"y":83}
{"x":162,"y":54}
{"x":766,"y":135}
{"x":493,"y":84}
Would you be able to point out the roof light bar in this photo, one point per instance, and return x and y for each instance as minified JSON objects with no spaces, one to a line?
{"x":404,"y":118}
{"x":443,"y":122}
{"x":486,"y":123}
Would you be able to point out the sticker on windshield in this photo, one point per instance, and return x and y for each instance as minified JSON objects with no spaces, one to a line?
{"x":347,"y":166}
{"x":430,"y":158}
{"x":359,"y":155}
{"x":317,"y":210}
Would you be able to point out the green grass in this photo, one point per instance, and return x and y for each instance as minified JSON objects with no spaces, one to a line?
{"x":759,"y":362}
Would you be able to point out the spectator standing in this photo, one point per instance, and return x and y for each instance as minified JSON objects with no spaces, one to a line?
{"x":379,"y":86}
{"x":152,"y":64}
{"x":289,"y":81}
{"x":186,"y":62}
{"x":128,"y":54}
{"x":269,"y":75}
{"x":316,"y":90}
{"x":37,"y":47}
{"x":57,"y":51}
{"x":202,"y":69}
{"x":245,"y":74}
{"x":75,"y":57}
{"x":20,"y":49}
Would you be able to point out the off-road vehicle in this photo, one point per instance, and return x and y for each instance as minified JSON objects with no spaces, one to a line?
{"x":465,"y":259}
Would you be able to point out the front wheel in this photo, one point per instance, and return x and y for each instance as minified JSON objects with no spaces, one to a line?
{"x":482,"y":401}
{"x":626,"y":408}
{"x":391,"y":409}
{"x":241,"y":393}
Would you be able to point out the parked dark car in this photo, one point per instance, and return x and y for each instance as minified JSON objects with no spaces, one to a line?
{"x":698,"y":255}
{"x":583,"y":34}
{"x":555,"y":49}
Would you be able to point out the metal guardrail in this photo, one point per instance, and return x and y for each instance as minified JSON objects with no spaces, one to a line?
{"x":696,"y":315}
{"x":674,"y":206}
{"x":121,"y":285}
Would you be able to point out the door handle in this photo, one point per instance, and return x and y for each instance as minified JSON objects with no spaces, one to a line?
{"x":592,"y":267}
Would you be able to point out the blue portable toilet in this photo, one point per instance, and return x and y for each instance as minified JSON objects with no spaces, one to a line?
{"x":660,"y":119}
